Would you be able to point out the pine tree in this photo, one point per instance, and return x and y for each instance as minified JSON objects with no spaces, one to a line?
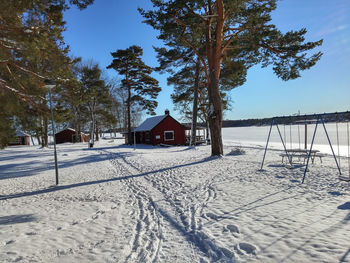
{"x":32,"y":49}
{"x":237,"y":33}
{"x":141,"y":87}
{"x":97,"y":98}
{"x":188,"y":79}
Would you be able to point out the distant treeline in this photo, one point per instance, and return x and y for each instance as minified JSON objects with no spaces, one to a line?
{"x":327,"y":117}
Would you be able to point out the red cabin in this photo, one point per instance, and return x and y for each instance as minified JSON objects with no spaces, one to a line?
{"x":69,"y":135}
{"x":162,"y":129}
{"x":22,"y":138}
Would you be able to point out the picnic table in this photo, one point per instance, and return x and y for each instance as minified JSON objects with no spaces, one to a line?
{"x":301,"y":154}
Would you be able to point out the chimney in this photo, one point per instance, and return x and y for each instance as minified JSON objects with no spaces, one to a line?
{"x":167,"y":112}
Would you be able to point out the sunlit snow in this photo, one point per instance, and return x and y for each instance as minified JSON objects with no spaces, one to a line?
{"x":176,"y":204}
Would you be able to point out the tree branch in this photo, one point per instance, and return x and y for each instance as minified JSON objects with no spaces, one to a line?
{"x":194,"y":13}
{"x":232,"y":37}
{"x":191,"y":45}
{"x":272,"y":49}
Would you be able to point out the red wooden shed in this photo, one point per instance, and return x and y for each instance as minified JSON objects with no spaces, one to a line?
{"x":68,"y":135}
{"x":162,"y":129}
{"x":22,"y":138}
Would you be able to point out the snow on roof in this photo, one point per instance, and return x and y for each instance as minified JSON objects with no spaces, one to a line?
{"x":69,"y":129}
{"x":150,"y":123}
{"x":21,"y":134}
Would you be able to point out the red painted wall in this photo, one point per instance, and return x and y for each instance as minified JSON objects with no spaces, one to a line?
{"x":168,"y":124}
{"x":67,"y":136}
{"x":25,"y":140}
{"x":64,"y":136}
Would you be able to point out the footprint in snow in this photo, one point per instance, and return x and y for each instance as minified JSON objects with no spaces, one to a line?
{"x":17,"y":259}
{"x":212,"y":216}
{"x":9,"y":242}
{"x":30,"y":233}
{"x":233,"y":228}
{"x":247,"y":248}
{"x":95,"y":216}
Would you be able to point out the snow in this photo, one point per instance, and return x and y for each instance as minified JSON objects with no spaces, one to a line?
{"x":176,"y":204}
{"x":21,"y":134}
{"x":150,"y":123}
{"x":257,"y":136}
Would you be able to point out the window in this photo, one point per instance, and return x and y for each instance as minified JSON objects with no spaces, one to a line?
{"x":147,"y":137}
{"x":157,"y":137}
{"x":168,"y":135}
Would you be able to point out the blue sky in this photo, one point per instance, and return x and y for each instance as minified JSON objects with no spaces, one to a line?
{"x":110,"y":25}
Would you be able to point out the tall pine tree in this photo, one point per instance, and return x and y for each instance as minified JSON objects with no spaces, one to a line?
{"x":141,"y":87}
{"x":235,"y":32}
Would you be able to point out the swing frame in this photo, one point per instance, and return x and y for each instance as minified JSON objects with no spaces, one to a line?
{"x":319,"y":120}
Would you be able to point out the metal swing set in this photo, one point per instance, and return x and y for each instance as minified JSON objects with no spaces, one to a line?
{"x":308,"y":154}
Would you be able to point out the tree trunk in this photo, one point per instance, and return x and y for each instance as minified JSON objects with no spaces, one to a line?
{"x":96,"y":132}
{"x":42,"y":132}
{"x":92,"y":129}
{"x":215,"y":115}
{"x":129,"y":116}
{"x":37,"y":135}
{"x":46,"y":131}
{"x":195,"y":105}
{"x":79,"y":131}
{"x":76,"y":139}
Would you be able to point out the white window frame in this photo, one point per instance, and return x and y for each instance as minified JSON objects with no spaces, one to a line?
{"x":165,"y":139}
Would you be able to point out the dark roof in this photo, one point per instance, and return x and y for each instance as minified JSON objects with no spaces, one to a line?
{"x":21,"y":134}
{"x":150,"y":123}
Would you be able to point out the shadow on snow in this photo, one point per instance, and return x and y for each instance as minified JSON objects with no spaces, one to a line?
{"x":16,"y":219}
{"x":104,"y":157}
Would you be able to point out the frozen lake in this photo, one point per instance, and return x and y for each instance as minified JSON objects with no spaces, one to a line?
{"x":293,"y":136}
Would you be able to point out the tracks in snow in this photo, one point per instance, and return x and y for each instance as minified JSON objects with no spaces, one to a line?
{"x":147,"y":236}
{"x":165,"y":197}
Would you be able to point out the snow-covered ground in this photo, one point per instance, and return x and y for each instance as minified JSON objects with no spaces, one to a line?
{"x":176,"y":204}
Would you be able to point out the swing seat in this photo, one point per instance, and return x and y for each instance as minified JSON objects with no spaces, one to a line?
{"x":344,"y":178}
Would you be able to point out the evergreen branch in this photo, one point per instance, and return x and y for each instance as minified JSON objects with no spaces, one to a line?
{"x":14,"y":77}
{"x":191,"y":45}
{"x":7,"y":47}
{"x":27,"y":70}
{"x":232,"y":37}
{"x":270,"y":48}
{"x":194,"y":13}
{"x":22,"y":96}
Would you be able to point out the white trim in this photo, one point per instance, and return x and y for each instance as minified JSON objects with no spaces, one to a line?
{"x":165,"y":139}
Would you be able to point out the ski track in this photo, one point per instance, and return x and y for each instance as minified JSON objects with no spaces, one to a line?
{"x":146,"y":241}
{"x":187,"y":203}
{"x":145,"y":209}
